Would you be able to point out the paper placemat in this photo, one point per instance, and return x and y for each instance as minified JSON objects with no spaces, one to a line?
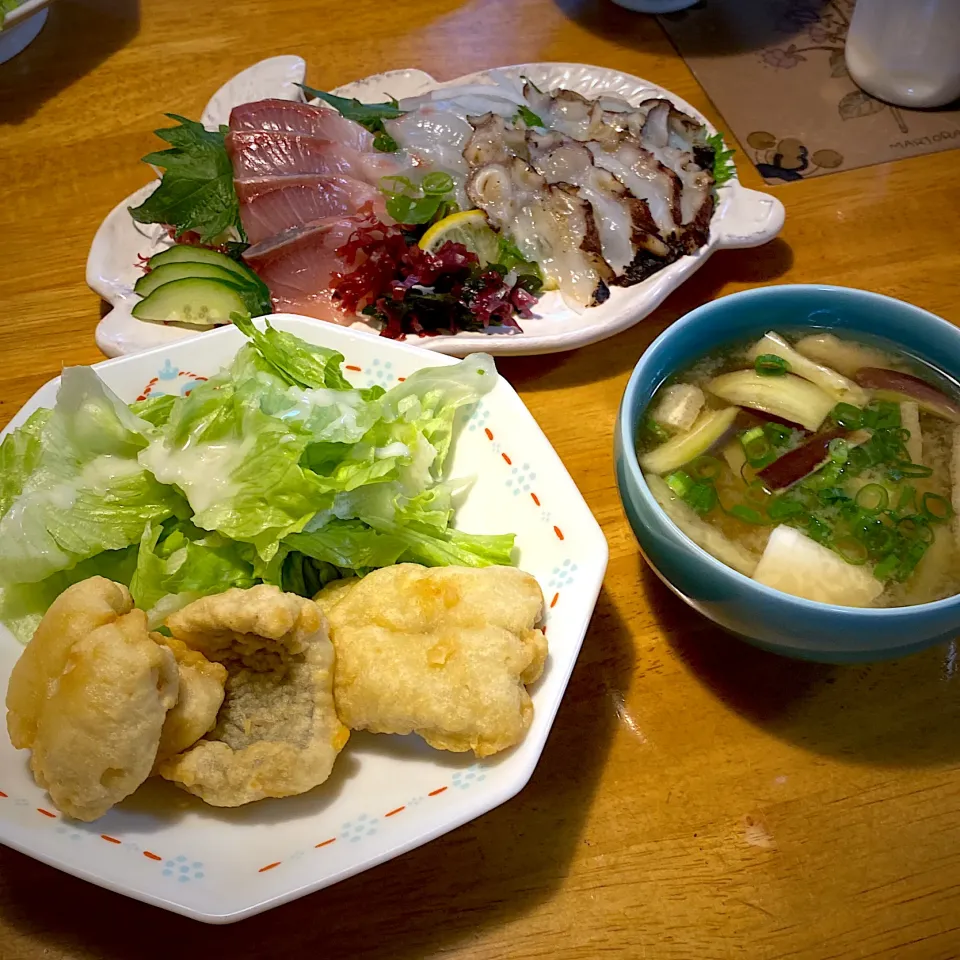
{"x":775,"y":70}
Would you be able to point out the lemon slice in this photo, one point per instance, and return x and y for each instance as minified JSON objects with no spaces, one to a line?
{"x":468,"y":227}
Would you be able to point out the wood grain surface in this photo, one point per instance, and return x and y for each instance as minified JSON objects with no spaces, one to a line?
{"x":696,"y":799}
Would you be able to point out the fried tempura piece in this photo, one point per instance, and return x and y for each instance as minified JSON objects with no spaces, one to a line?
{"x":78,"y":611}
{"x":199,"y":700}
{"x":443,"y":652}
{"x":333,"y":593}
{"x":89,"y":697}
{"x":277,"y":733}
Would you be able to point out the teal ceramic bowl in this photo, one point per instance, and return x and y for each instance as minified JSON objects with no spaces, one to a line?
{"x":765,"y":617}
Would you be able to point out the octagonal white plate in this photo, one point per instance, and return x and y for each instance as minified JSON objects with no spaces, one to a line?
{"x":388,"y":794}
{"x":743,"y":218}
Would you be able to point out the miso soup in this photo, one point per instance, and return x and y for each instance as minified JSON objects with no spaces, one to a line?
{"x":823,"y":467}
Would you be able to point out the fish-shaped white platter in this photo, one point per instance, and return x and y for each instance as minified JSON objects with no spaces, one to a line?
{"x":742,"y":218}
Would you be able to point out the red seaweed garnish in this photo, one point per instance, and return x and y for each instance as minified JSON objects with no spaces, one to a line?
{"x":412,"y":291}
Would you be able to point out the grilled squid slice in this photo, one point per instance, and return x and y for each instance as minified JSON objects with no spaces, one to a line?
{"x":569,"y":113}
{"x":628,"y":236}
{"x":549,"y":223}
{"x":647,"y":179}
{"x":670,"y":136}
{"x":494,"y":140}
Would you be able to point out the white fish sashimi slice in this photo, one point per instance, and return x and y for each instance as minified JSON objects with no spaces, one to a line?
{"x":797,"y":565}
{"x":433,"y":140}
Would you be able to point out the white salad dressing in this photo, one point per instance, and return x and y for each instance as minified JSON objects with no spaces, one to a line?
{"x":204,"y":472}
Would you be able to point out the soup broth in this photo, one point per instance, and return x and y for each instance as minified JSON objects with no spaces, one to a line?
{"x":823,"y":467}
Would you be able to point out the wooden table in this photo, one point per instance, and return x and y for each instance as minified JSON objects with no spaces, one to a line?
{"x":697,"y":799}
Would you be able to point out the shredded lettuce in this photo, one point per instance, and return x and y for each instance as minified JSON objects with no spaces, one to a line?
{"x":82,"y":490}
{"x":276,"y":470}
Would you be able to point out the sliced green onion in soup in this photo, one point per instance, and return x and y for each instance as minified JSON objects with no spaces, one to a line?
{"x":702,"y":497}
{"x":847,"y":416}
{"x":936,"y":508}
{"x":777,"y":433}
{"x":781,"y":509}
{"x":852,"y":550}
{"x":747,"y":514}
{"x":872,"y":498}
{"x":680,"y":482}
{"x":756,"y":447}
{"x":884,"y":569}
{"x":915,"y":528}
{"x":770,"y":365}
{"x":912,"y":470}
{"x":907,"y":499}
{"x":705,"y":468}
{"x":908,"y":560}
{"x":818,"y":530}
{"x":839,"y":450}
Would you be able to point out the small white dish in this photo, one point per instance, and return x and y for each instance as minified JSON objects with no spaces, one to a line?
{"x":743,"y":218}
{"x":387,"y":795}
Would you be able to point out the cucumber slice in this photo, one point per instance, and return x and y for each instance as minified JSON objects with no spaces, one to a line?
{"x":167,"y":272}
{"x":199,"y":301}
{"x":185,"y":253}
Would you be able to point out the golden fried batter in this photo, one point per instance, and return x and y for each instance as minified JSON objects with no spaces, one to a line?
{"x":78,"y":611}
{"x":91,"y":705}
{"x":277,"y":733}
{"x":333,"y":593}
{"x":199,"y":700}
{"x":443,"y":652}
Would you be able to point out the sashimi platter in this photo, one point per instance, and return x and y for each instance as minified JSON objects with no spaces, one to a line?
{"x":524,"y":209}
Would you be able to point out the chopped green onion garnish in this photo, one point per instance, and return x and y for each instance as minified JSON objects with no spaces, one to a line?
{"x":702,"y":497}
{"x":907,"y":469}
{"x":872,"y":498}
{"x":437,"y":183}
{"x":839,"y":450}
{"x":818,"y":530}
{"x":907,"y":499}
{"x":935,"y":507}
{"x":879,"y":540}
{"x":915,"y":528}
{"x":756,"y":447}
{"x":852,"y":550}
{"x":785,"y":509}
{"x":884,"y":569}
{"x":777,"y":434}
{"x":770,"y":365}
{"x":909,"y":560}
{"x":705,"y":468}
{"x":746,"y":514}
{"x":651,"y":430}
{"x":888,"y":414}
{"x":832,"y":495}
{"x":679,"y":482}
{"x":847,"y":416}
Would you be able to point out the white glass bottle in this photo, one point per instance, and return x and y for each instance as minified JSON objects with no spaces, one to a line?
{"x":906,"y":52}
